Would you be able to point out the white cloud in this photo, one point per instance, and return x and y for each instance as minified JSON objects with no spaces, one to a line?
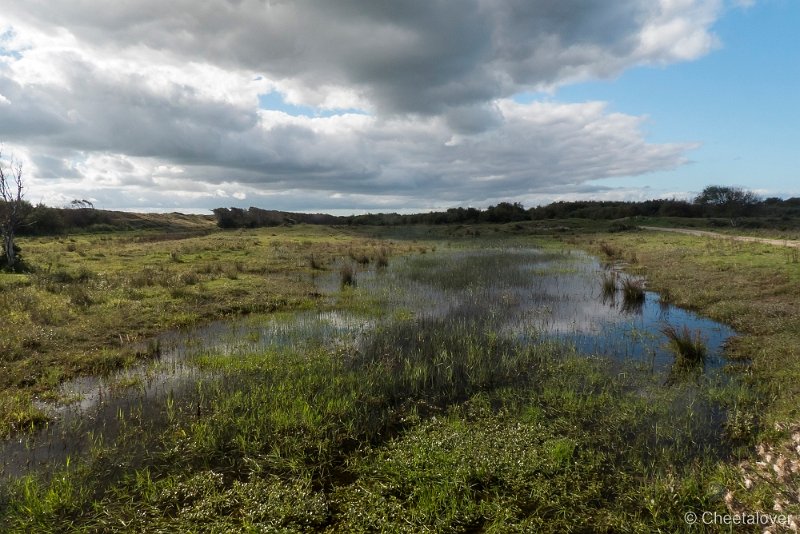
{"x":154,"y":102}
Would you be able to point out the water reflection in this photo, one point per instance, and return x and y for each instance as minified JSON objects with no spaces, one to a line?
{"x":99,"y":408}
{"x":532,"y":294}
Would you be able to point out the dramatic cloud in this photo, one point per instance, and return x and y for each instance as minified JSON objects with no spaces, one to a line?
{"x":147,"y":104}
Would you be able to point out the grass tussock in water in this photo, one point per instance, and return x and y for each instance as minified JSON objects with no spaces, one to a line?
{"x":633,"y":289}
{"x":347,"y":275}
{"x":633,"y":294}
{"x":689,"y":348}
{"x":609,"y":284}
{"x":382,"y":260}
{"x":315,"y":263}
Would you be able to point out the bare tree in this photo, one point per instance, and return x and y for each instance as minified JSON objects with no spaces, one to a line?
{"x":12,"y":208}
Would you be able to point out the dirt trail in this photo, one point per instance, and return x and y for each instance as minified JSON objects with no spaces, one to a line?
{"x":704,"y":233}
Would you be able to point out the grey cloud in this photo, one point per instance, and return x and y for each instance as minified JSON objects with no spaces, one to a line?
{"x":533,"y":148}
{"x":29,"y":111}
{"x":418,"y":56}
{"x":50,"y":167}
{"x":450,"y":158}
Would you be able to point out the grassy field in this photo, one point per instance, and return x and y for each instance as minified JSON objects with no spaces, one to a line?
{"x":754,"y":288}
{"x":440,"y":424}
{"x":92,"y":299}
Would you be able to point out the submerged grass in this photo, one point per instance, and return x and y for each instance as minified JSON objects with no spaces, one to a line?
{"x":424,"y":428}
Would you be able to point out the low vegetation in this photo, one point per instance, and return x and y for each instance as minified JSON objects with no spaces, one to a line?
{"x":89,"y":299}
{"x":434,"y":421}
{"x":419,"y":422}
{"x":754,"y":288}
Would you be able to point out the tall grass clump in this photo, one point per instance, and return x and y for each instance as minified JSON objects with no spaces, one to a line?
{"x":609,"y":284}
{"x":633,"y":291}
{"x":360,"y":258}
{"x":189,"y":278}
{"x":689,"y":349}
{"x":314,"y":263}
{"x":609,"y":250}
{"x":382,"y":260}
{"x":348,"y":276}
{"x":80,"y":297}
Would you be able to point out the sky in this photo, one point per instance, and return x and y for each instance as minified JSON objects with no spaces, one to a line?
{"x":352,"y":106}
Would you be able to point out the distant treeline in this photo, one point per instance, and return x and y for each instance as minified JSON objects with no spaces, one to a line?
{"x":725,"y":204}
{"x":714,"y":202}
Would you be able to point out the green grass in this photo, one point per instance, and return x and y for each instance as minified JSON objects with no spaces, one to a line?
{"x":427,"y":424}
{"x":430,"y":422}
{"x":90,"y":295}
{"x":754,"y":288}
{"x":509,"y":437}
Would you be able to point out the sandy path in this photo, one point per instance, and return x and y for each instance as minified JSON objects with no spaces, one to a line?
{"x":704,"y":233}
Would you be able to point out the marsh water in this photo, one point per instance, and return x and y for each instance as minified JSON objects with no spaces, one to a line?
{"x":525,"y":295}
